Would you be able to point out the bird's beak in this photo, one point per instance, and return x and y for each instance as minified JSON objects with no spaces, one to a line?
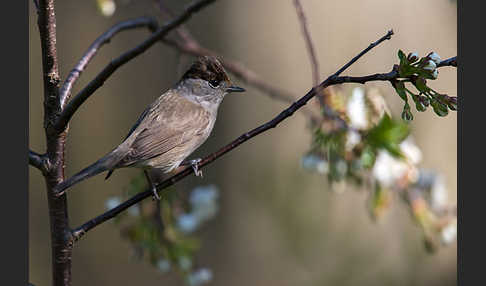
{"x":235,"y":89}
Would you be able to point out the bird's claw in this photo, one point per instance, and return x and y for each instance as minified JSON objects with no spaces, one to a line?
{"x":194,"y":164}
{"x":155,"y":195}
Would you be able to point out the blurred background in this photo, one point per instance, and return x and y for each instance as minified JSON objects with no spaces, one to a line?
{"x":277,"y":224}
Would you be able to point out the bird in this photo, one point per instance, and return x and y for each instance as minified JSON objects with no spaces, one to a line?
{"x":169,"y":129}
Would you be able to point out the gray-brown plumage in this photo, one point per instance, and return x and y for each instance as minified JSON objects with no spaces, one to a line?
{"x":172,"y":127}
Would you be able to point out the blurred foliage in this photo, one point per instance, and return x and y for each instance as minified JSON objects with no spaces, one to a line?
{"x":371,"y":150}
{"x":376,"y":153}
{"x":162,"y":231}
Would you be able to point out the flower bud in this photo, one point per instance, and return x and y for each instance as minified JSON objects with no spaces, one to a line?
{"x":452,"y":102}
{"x":407,"y":115}
{"x":412,"y":57}
{"x":430,"y":66}
{"x":434,"y":57}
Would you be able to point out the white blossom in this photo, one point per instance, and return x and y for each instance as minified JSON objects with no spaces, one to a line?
{"x":353,"y":138}
{"x":438,"y":193}
{"x":356,"y":109}
{"x":411,"y":151}
{"x":449,"y":232}
{"x":107,"y":7}
{"x":388,"y":169}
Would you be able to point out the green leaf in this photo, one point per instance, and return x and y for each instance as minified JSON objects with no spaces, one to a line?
{"x":388,"y":134}
{"x":403,"y":58}
{"x":406,"y":70}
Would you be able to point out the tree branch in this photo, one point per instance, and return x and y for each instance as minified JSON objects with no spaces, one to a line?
{"x":308,"y":40}
{"x":36,"y":4}
{"x":449,"y":62}
{"x":36,"y":160}
{"x":105,"y":38}
{"x":189,"y":45}
{"x":99,"y":80}
{"x":332,"y":80}
{"x":61,"y":245}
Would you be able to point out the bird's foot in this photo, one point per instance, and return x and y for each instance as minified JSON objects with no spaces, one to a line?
{"x":155,"y":195}
{"x":194,"y":164}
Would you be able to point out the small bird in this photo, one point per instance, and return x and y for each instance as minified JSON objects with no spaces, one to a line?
{"x":171,"y":128}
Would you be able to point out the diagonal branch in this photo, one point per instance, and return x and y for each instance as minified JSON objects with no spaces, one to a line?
{"x":189,"y":45}
{"x":99,"y":80}
{"x":449,"y":62}
{"x":236,"y":68}
{"x":332,"y":80}
{"x":371,"y":46}
{"x":105,"y":38}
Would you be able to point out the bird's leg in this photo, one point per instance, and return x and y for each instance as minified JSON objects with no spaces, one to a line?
{"x":152,"y":186}
{"x":194,"y":164}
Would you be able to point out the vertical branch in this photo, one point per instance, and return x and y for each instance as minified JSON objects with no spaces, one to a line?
{"x":60,"y":238}
{"x":312,"y":56}
{"x":308,"y":42}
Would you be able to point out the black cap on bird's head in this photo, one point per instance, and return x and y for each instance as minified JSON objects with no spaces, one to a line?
{"x":210,"y":69}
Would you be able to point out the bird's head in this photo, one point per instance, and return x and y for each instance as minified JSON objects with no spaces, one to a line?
{"x":208,"y":81}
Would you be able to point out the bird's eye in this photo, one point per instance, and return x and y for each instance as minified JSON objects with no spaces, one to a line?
{"x":213,"y":83}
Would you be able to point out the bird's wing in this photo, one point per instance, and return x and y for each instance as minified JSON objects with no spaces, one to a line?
{"x":167,"y":124}
{"x":139,"y":120}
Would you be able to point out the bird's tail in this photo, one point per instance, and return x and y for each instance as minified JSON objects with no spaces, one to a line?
{"x":108,"y":162}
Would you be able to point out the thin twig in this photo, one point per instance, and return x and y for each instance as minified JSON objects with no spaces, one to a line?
{"x":308,"y":41}
{"x":99,"y":80}
{"x":333,"y":79}
{"x":314,"y":62}
{"x":449,"y":62}
{"x":371,"y":46}
{"x":246,"y":75}
{"x":189,"y":45}
{"x":105,"y":38}
{"x":36,"y":160}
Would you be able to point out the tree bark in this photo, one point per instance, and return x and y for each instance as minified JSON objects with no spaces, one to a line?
{"x":60,"y":233}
